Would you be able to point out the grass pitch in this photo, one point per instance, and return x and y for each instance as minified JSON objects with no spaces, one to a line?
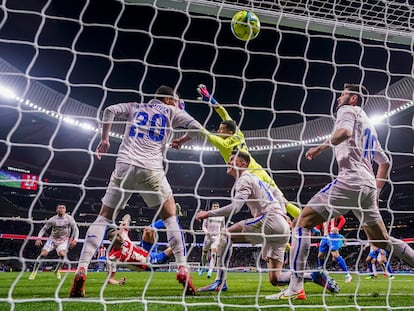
{"x":160,"y":291}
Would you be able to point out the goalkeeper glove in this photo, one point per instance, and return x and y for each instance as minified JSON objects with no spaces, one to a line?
{"x":205,"y":95}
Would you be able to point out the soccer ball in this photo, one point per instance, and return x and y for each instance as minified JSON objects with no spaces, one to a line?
{"x":245,"y":25}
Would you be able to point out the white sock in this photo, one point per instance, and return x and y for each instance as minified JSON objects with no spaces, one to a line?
{"x":283,"y":279}
{"x":374,"y":268}
{"x":212,"y":263}
{"x":175,"y":239}
{"x":93,"y":239}
{"x":307,"y":277}
{"x":219,"y":260}
{"x":225,"y":252}
{"x":299,"y":252}
{"x":402,"y":250}
{"x":204,"y":258}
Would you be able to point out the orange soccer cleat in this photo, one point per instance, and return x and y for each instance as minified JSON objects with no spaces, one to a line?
{"x":184,"y":277}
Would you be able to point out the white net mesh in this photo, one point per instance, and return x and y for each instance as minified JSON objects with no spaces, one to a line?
{"x":62,"y":63}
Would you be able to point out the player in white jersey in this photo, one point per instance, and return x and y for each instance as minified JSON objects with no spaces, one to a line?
{"x":267,"y":207}
{"x":64,"y":233}
{"x":356,"y":187}
{"x":269,"y":225}
{"x":212,"y":227}
{"x":139,"y":168}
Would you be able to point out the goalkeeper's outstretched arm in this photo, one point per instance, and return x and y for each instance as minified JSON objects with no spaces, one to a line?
{"x":205,"y":96}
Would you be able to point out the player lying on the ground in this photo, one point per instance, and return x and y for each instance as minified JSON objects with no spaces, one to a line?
{"x":123,"y":250}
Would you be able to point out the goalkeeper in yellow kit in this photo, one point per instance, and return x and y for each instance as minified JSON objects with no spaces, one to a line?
{"x":230,"y":138}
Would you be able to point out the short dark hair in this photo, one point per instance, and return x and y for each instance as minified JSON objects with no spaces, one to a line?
{"x":244,"y":155}
{"x":111,"y":232}
{"x":215,"y":203}
{"x":230,"y":124}
{"x":359,"y":90}
{"x":165,"y":91}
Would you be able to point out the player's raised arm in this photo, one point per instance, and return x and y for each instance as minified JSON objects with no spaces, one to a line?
{"x":205,"y":96}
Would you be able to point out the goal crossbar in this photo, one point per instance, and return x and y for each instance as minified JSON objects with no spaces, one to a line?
{"x":362,"y":25}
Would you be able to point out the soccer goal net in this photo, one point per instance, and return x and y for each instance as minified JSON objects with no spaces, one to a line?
{"x":63,"y":62}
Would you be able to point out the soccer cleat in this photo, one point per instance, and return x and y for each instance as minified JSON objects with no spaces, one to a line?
{"x":32,"y":276}
{"x":348,"y":278}
{"x":324,"y":280}
{"x":122,"y":281}
{"x":222,"y":287}
{"x":57,"y":274}
{"x":370,"y":277}
{"x":184,"y":277}
{"x":215,"y":286}
{"x":78,"y":285}
{"x":392,"y":277}
{"x":209,"y":273}
{"x":288,"y":294}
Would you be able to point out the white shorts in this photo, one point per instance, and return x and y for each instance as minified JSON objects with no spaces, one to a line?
{"x":211,"y":242}
{"x":127,"y":179}
{"x":272,"y":230}
{"x":336,"y":199}
{"x":52,"y":244}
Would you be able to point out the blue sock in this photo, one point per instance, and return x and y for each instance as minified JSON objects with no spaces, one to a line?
{"x":159,"y":258}
{"x":162,"y":257}
{"x":320,"y":262}
{"x":389,"y":269}
{"x":159,"y":224}
{"x":342,"y":263}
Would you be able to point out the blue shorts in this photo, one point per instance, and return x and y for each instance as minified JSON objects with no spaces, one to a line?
{"x":373,"y":254}
{"x":328,"y":245}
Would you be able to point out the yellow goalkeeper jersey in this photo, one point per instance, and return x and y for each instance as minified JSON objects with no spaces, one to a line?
{"x":237,"y":142}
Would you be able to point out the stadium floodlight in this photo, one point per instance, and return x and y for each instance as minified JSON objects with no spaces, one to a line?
{"x":10,"y":94}
{"x":377,"y":119}
{"x":87,"y":126}
{"x":7,"y":92}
